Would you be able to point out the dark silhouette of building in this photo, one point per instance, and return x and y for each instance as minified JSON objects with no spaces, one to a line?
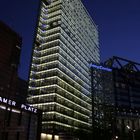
{"x":10,"y":48}
{"x":122,"y":80}
{"x":102,"y":101}
{"x":18,"y":121}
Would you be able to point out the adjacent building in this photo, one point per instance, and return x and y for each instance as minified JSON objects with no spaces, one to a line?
{"x":116,"y":96}
{"x":10,"y":47}
{"x":18,"y":121}
{"x":103,"y":106}
{"x":66,"y":41}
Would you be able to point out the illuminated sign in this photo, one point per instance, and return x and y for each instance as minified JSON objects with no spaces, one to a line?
{"x":21,"y":106}
{"x":7,"y":101}
{"x":28,"y":108}
{"x":100,"y":67}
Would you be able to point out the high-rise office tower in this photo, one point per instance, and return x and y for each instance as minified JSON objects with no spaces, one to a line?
{"x":59,"y":84}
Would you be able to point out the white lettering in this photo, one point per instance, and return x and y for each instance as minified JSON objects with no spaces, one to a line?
{"x":1,"y":99}
{"x":13,"y":103}
{"x":26,"y":107}
{"x":32,"y":109}
{"x":5,"y":100}
{"x":23,"y":106}
{"x":35,"y":110}
{"x":9,"y":102}
{"x":29,"y":109}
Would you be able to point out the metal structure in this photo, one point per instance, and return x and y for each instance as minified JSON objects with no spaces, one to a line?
{"x":121,"y":63}
{"x":124,"y":85}
{"x":102,"y":100}
{"x":126,"y":77}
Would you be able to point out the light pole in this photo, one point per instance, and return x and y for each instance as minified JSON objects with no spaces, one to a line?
{"x":132,"y":130}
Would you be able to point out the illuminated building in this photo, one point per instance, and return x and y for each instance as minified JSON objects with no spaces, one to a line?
{"x":59,"y":84}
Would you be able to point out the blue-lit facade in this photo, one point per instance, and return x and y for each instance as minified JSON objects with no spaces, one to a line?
{"x":59,"y":83}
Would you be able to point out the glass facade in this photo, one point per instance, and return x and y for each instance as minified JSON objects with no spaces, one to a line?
{"x":59,"y":84}
{"x":116,"y":99}
{"x":103,"y":101}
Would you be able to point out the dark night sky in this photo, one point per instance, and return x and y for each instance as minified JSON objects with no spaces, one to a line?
{"x":118,"y":24}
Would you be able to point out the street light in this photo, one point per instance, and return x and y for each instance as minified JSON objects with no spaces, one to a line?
{"x":115,"y":138}
{"x":128,"y":127}
{"x":132,"y":130}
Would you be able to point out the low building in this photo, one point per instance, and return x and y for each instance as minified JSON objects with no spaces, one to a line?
{"x":19,"y":121}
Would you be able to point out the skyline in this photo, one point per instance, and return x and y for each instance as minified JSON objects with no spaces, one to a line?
{"x":118,"y":25}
